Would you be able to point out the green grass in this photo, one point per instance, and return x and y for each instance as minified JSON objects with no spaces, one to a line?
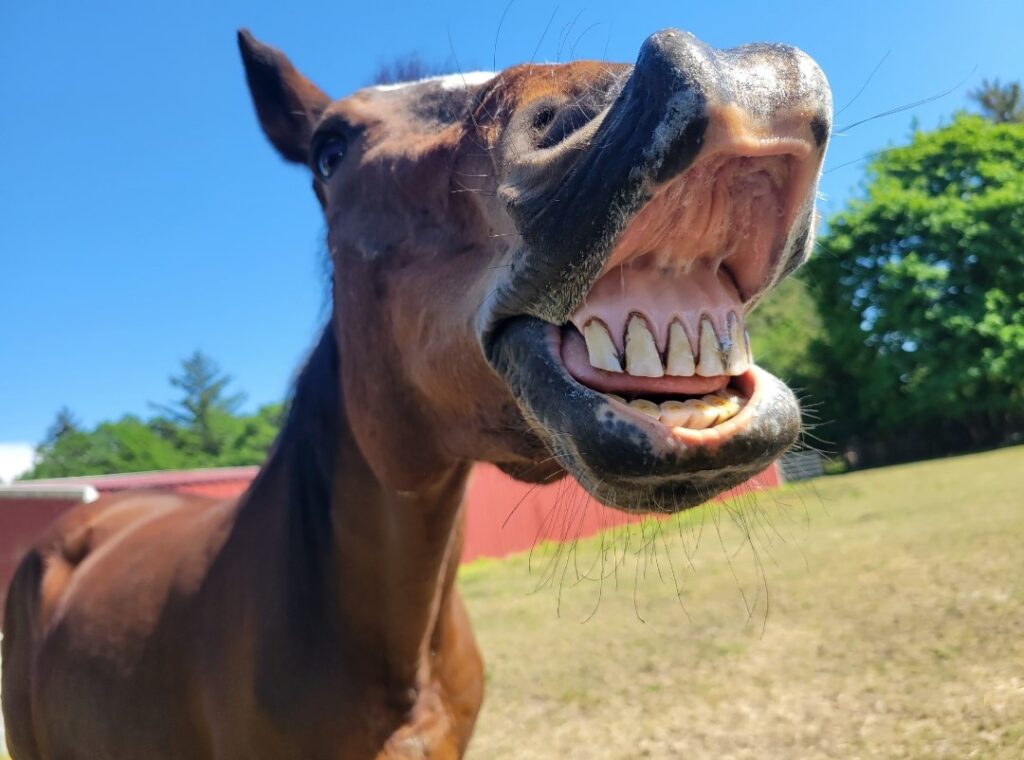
{"x":871,"y":615}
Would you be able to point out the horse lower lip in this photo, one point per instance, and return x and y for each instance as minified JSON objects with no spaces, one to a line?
{"x":623,"y":457}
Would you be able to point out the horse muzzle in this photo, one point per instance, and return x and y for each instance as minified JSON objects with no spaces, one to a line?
{"x":618,"y":324}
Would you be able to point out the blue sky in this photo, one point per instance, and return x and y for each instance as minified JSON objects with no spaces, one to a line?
{"x":143,"y":216}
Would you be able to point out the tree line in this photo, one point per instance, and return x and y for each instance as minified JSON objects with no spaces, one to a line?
{"x":201,"y":428}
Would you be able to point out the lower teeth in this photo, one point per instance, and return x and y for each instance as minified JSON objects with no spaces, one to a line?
{"x":693,"y":413}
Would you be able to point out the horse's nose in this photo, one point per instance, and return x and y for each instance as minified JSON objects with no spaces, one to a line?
{"x":755,"y":117}
{"x":752,"y":100}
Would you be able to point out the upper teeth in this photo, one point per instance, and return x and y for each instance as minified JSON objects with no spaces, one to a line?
{"x":600,"y":347}
{"x":738,"y":359}
{"x":725,"y":355}
{"x":680,"y":358}
{"x":710,"y":364}
{"x":642,"y":358}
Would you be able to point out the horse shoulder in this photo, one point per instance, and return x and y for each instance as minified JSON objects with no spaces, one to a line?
{"x":110,"y":597}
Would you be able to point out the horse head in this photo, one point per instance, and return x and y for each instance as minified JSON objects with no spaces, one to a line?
{"x":548,"y":268}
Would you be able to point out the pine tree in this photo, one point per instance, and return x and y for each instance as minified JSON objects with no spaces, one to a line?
{"x":1002,"y":104}
{"x":63,"y":425}
{"x":205,"y":407}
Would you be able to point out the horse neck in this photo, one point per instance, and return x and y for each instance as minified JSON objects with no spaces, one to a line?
{"x":370,"y":566}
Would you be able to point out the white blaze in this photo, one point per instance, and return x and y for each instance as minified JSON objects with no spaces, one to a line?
{"x":447,"y":81}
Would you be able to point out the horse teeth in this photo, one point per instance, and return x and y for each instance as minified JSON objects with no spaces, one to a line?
{"x":737,"y":362}
{"x":649,"y":408}
{"x":725,"y":407}
{"x":616,"y":398}
{"x":710,"y":364}
{"x":717,"y":353}
{"x":675,"y":413}
{"x":680,"y":355}
{"x":642,"y":357}
{"x":600,"y":347}
{"x":696,"y":414}
{"x":733,"y":397}
{"x":701,"y":415}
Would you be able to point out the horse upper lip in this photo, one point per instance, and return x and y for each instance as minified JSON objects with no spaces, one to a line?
{"x":690,"y":140}
{"x":693,"y":254}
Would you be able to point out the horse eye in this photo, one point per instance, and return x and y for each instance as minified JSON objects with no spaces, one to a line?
{"x":329,"y":154}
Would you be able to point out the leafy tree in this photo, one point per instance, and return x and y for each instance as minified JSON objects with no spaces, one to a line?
{"x":248,"y":438}
{"x":920,"y":285}
{"x":782,"y":329}
{"x":1003,"y":104}
{"x":128,"y":445}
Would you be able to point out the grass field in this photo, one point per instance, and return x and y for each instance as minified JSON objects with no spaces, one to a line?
{"x":872,"y":615}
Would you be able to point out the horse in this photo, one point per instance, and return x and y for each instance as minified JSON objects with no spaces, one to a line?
{"x":546,"y":268}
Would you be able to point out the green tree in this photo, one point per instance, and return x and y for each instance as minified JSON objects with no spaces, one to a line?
{"x":920,"y":286}
{"x":203,"y":419}
{"x":1002,"y":104}
{"x":247,"y":439}
{"x":201,"y":429}
{"x":128,"y":445}
{"x":782,"y":329}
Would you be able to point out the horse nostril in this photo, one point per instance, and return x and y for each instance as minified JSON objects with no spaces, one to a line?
{"x":820,"y":129}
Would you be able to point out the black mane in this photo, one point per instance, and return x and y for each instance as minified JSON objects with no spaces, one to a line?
{"x":308,"y":449}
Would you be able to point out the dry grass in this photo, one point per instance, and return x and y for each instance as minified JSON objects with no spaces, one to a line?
{"x":873,"y":615}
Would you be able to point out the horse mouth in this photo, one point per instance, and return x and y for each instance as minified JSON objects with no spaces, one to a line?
{"x":648,"y":393}
{"x":645,"y":451}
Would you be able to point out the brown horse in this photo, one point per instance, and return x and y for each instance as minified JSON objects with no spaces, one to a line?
{"x":548,"y":269}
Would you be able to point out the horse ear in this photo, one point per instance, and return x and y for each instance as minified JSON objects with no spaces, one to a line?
{"x":288,"y":104}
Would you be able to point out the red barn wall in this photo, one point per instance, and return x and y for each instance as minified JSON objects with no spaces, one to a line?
{"x":504,"y":516}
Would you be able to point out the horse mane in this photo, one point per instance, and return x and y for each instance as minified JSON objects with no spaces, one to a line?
{"x":408,"y":68}
{"x":308,"y":448}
